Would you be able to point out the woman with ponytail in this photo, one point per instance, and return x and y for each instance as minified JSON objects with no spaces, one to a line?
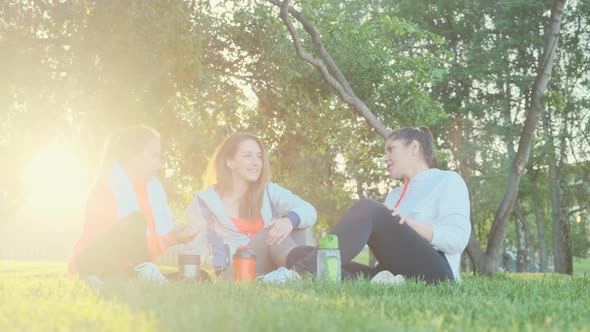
{"x":420,"y":231}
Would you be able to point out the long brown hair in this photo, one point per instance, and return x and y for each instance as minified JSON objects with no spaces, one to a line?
{"x":123,"y":144}
{"x":218,"y":171}
{"x":423,"y":136}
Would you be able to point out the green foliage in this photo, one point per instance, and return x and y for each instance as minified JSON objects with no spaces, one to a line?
{"x":582,"y":266}
{"x":390,"y":62}
{"x":555,"y":100}
{"x":580,"y":237}
{"x":486,"y":92}
{"x":320,"y":149}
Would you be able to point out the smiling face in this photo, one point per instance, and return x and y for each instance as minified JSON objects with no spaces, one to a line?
{"x":400,"y":157}
{"x":246,"y":164}
{"x":241,"y":170}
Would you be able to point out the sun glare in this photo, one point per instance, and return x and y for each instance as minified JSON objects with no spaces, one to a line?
{"x":56,"y":179}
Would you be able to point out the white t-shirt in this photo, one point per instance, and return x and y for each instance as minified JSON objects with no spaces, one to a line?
{"x":439,"y":198}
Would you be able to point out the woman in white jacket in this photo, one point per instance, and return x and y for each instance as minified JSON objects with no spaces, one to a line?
{"x":243,"y":208}
{"x":420,"y":231}
{"x":128,"y":222}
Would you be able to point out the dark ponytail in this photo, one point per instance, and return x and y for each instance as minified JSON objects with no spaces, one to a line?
{"x":423,"y":136}
{"x":428,"y":148}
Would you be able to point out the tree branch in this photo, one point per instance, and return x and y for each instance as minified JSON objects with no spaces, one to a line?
{"x":326,"y":65}
{"x":569,"y":214}
{"x":315,"y":37}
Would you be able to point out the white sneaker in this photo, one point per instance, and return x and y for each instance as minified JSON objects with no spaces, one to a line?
{"x":387,"y":278}
{"x":94,"y":281}
{"x":150,"y":272}
{"x":280,"y":276}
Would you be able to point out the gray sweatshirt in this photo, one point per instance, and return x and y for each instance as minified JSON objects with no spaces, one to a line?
{"x":207,"y":209}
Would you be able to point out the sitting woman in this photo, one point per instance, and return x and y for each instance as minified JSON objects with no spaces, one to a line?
{"x":419,"y":233}
{"x":128,"y":221}
{"x":243,"y":208}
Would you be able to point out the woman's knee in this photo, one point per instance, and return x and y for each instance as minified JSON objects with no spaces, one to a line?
{"x":300,"y":236}
{"x":373,"y":210}
{"x":366,"y":205}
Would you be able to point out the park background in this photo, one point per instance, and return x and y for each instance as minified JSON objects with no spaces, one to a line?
{"x":504,"y":86}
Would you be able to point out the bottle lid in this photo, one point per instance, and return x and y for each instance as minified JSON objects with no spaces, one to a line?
{"x":244,"y":252}
{"x":189,"y":259}
{"x":329,"y":241}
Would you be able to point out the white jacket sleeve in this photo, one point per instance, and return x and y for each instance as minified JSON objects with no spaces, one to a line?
{"x":453,"y":227}
{"x":283,"y":201}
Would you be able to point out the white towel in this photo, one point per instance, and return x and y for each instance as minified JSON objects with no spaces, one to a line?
{"x":127,"y":200}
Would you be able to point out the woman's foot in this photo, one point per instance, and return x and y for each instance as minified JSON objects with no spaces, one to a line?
{"x":95,"y":281}
{"x":387,"y":278}
{"x":280,"y":276}
{"x":150,"y":272}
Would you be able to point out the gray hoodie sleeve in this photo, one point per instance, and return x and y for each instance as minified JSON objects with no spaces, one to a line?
{"x":283,"y":202}
{"x":198,"y":246}
{"x":207,"y":239}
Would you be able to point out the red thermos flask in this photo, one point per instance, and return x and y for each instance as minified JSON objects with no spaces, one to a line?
{"x":244,"y":264}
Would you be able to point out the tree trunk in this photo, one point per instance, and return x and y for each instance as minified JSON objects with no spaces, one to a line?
{"x":489,"y":263}
{"x":540,"y":221}
{"x":476,"y":254}
{"x":532,"y":257}
{"x":562,"y":257}
{"x":561,"y":242}
{"x":521,"y":238}
{"x":464,"y":262}
{"x":530,"y":243}
{"x":506,"y":255}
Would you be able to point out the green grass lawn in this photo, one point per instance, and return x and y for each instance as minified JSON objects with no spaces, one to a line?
{"x":582,"y":266}
{"x":39,"y":297}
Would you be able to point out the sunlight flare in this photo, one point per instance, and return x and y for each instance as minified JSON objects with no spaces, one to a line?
{"x":56,"y":179}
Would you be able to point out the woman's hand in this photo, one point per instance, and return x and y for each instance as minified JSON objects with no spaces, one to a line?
{"x":279,"y":229}
{"x":185,"y":233}
{"x":424,"y":230}
{"x":402,"y":219}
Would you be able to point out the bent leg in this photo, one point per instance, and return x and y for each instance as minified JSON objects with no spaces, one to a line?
{"x":118,"y":250}
{"x":268,"y":258}
{"x":401,"y":250}
{"x":398,"y":248}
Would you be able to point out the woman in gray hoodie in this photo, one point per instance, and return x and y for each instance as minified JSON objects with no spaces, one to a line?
{"x":243,"y":208}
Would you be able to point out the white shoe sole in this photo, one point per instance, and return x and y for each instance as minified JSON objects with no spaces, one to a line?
{"x":387,"y":278}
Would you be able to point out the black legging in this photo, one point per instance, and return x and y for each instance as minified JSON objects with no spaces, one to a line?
{"x":398,"y":248}
{"x":118,"y":250}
